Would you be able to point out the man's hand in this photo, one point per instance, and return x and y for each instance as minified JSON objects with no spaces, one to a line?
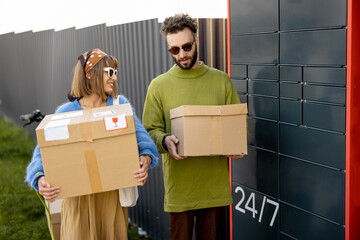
{"x":171,"y":142}
{"x":48,"y":192}
{"x":142,"y":174}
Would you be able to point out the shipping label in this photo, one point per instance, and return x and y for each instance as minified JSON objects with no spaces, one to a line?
{"x":115,"y":122}
{"x":105,"y":113}
{"x":57,"y":130}
{"x":67,"y":115}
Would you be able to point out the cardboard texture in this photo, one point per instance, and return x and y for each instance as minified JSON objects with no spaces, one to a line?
{"x":55,"y":213}
{"x":89,"y":151}
{"x":210,"y":130}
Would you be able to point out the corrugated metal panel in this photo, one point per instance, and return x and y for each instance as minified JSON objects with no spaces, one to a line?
{"x":36,"y":73}
{"x":7,"y":48}
{"x":212,"y":46}
{"x":43,"y":77}
{"x":65,"y":52}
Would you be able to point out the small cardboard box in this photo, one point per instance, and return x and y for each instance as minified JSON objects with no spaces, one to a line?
{"x":55,"y":213}
{"x":210,"y":130}
{"x":89,"y":151}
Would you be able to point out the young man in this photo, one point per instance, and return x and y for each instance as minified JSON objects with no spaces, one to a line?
{"x":197,"y":189}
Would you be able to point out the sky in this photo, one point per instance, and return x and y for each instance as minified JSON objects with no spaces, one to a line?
{"x":39,"y":15}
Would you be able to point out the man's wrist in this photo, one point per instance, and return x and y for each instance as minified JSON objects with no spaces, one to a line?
{"x":163,"y":143}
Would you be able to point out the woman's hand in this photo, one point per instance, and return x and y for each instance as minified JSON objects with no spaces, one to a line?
{"x":142,"y":174}
{"x":48,"y":192}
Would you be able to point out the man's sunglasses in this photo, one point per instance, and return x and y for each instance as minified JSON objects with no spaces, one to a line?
{"x":110,"y":71}
{"x":187,"y":48}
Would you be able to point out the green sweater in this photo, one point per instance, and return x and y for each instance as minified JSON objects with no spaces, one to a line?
{"x":194,"y":182}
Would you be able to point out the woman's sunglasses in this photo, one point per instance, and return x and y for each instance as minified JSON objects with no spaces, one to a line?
{"x":110,"y":71}
{"x":187,"y":48}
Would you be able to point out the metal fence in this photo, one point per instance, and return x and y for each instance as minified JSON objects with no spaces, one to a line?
{"x":36,"y":73}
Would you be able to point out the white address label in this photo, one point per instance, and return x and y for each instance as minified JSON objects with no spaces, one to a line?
{"x":115,"y":122}
{"x":66,"y":115}
{"x":56,"y":130}
{"x":101,"y":114}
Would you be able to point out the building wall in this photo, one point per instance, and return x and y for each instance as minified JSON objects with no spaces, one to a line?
{"x":288,"y":62}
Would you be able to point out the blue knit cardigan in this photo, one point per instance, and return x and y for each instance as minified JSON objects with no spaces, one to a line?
{"x":146,"y":145}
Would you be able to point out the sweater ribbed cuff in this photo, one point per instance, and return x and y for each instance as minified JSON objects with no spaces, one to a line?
{"x":163,"y":143}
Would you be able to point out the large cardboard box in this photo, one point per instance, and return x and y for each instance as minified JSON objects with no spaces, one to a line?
{"x":55,"y":216}
{"x":210,"y":130}
{"x":89,"y":151}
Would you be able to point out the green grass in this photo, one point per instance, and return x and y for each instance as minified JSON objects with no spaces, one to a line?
{"x":22,"y":215}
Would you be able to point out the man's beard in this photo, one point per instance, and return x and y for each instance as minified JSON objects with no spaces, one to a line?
{"x":189,"y":65}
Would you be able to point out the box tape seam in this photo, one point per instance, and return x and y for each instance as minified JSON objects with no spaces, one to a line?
{"x":93,"y":170}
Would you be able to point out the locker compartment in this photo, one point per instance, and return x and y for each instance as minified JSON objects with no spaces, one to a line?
{"x":243,"y":97}
{"x":290,"y":111}
{"x":314,"y":188}
{"x":292,"y":74}
{"x":257,"y":170}
{"x":312,"y":14}
{"x":239,"y":71}
{"x":283,"y":236}
{"x":251,"y":16}
{"x":256,"y":216}
{"x":291,"y":90}
{"x":268,"y":88}
{"x":263,"y":72}
{"x":240,"y":85}
{"x":313,"y":47}
{"x":335,"y":76}
{"x":262,"y":48}
{"x":313,"y":145}
{"x":263,"y":107}
{"x":325,"y":94}
{"x":302,"y":225}
{"x":263,"y":134}
{"x":324,"y":116}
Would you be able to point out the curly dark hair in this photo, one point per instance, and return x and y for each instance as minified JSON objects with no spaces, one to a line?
{"x":177,"y":23}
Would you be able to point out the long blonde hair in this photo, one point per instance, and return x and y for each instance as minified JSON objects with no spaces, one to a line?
{"x":81,"y":86}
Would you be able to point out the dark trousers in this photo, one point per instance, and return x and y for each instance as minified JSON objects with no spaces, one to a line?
{"x":210,"y":224}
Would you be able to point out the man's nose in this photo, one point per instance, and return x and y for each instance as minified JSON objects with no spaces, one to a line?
{"x":182,"y":53}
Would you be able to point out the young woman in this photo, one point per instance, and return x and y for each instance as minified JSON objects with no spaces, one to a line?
{"x":100,"y":215}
